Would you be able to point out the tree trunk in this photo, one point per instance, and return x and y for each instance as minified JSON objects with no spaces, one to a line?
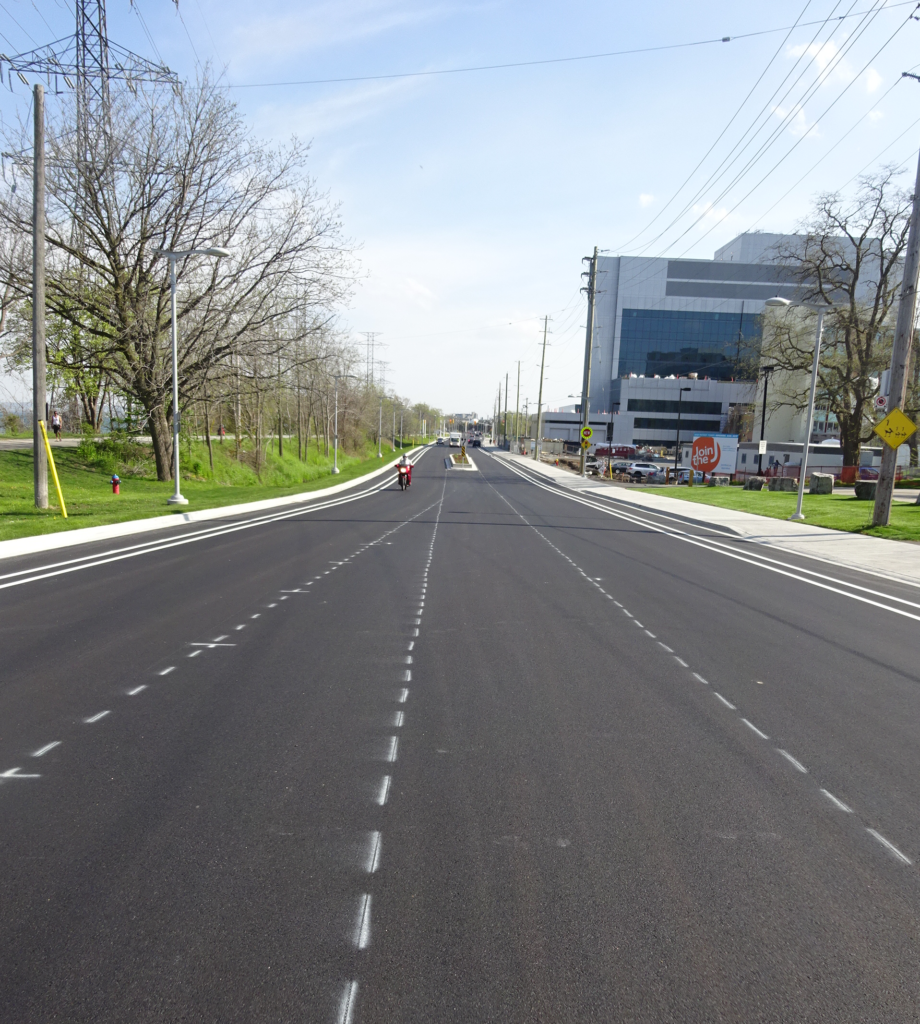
{"x":162,"y":446}
{"x":207,"y":429}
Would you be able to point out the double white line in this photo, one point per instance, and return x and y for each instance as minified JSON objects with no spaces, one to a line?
{"x":815,"y":579}
{"x":16,"y":579}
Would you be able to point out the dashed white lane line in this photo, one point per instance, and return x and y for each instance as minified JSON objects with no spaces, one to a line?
{"x":625,"y":612}
{"x":681,"y":662}
{"x":44,"y":750}
{"x":636,"y":622}
{"x":393,"y":752}
{"x":239,"y":627}
{"x":890,"y":847}
{"x":136,"y":690}
{"x":617,"y":603}
{"x":696,"y":675}
{"x":347,"y":1003}
{"x":403,"y":694}
{"x":95,"y":718}
{"x":651,"y":634}
{"x":167,"y":670}
{"x":408,"y":658}
{"x":195,"y":654}
{"x":411,"y":645}
{"x":407,"y":676}
{"x":384,"y":792}
{"x":218,"y":639}
{"x":414,"y":632}
{"x":724,"y":701}
{"x":762,"y":735}
{"x":17,"y":773}
{"x":839,"y":804}
{"x":363,"y":929}
{"x":274,"y":604}
{"x":202,"y":643}
{"x":373,"y":853}
{"x":795,"y":764}
{"x":256,"y":616}
{"x":665,"y":646}
{"x":398,"y":718}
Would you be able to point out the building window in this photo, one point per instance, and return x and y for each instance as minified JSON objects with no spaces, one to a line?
{"x":674,"y":341}
{"x":700,"y":426}
{"x":743,"y":458}
{"x":654,"y":405}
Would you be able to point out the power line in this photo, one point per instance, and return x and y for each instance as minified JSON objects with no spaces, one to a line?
{"x":549,"y":60}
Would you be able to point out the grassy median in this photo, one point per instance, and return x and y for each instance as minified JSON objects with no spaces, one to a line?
{"x":85,"y":475}
{"x":834,"y":511}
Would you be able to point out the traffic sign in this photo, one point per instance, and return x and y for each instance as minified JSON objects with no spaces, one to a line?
{"x":586,"y":443}
{"x":762,"y":447}
{"x":881,"y":401}
{"x":586,"y":433}
{"x":895,"y":428}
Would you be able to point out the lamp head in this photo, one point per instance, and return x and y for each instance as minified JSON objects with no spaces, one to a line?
{"x":777,"y":301}
{"x":217,"y":251}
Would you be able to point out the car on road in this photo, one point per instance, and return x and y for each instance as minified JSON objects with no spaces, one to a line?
{"x":643,"y":471}
{"x":440,"y":440}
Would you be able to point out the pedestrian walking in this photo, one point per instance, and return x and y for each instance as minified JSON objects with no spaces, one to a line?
{"x":57,"y":424}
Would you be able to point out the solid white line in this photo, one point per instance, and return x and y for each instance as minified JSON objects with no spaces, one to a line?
{"x":680,"y":661}
{"x":403,"y":693}
{"x":363,"y":931}
{"x":95,"y":718}
{"x":890,"y":847}
{"x":16,"y":773}
{"x":839,"y":804}
{"x":665,"y":646}
{"x":46,"y":748}
{"x":166,"y":671}
{"x":373,"y":853}
{"x":696,"y":675}
{"x":384,"y":790}
{"x":725,"y":702}
{"x":752,"y":558}
{"x":795,"y":764}
{"x":136,"y":691}
{"x":347,"y":1004}
{"x":394,"y":749}
{"x":763,"y":736}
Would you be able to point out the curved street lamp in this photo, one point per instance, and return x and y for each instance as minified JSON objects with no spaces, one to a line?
{"x":173,"y":256}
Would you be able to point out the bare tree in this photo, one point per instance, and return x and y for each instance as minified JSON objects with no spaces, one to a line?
{"x":175,"y":171}
{"x":850,"y":253}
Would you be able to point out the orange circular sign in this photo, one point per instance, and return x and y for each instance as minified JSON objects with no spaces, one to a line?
{"x":706,"y":454}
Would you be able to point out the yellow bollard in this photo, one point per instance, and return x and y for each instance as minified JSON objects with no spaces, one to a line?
{"x":57,"y":483}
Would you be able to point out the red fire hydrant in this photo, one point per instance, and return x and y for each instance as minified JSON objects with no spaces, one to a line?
{"x":115,"y":482}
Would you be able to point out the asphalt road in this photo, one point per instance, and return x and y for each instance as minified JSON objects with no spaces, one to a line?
{"x":483,"y":751}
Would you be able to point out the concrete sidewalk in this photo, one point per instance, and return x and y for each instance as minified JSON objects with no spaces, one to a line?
{"x":896,"y":559}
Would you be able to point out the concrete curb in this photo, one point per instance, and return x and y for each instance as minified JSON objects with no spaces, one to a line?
{"x":89,"y":534}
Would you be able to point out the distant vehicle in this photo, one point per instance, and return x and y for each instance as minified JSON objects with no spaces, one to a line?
{"x":620,"y":467}
{"x":440,"y":440}
{"x":475,"y":442}
{"x":683,"y":476}
{"x":454,"y":439}
{"x":592,"y":466}
{"x":640,"y":471}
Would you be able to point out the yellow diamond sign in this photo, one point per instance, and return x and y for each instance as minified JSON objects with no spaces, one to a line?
{"x":895,"y":428}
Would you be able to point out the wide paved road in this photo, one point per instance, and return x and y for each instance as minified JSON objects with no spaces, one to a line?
{"x":483,"y":751}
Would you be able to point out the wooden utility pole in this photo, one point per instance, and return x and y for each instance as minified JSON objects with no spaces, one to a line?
{"x":39,"y":458}
{"x":589,"y":347}
{"x":536,"y":442}
{"x":900,"y":356}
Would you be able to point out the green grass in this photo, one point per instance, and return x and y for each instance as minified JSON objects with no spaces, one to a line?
{"x":85,"y":480}
{"x":834,"y":511}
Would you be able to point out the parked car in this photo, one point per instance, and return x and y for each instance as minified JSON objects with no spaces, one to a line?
{"x":592,"y":466}
{"x":620,"y":467}
{"x":640,"y":471}
{"x":683,"y":476}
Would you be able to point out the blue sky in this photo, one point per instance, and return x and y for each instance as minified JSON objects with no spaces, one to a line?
{"x":474,"y":196}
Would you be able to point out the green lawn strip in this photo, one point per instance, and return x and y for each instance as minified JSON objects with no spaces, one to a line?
{"x":90,"y":502}
{"x":834,"y":511}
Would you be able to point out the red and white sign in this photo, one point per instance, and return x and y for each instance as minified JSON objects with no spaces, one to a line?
{"x":881,"y":401}
{"x":706,"y":454}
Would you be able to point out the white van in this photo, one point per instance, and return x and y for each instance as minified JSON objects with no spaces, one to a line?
{"x":455,"y":440}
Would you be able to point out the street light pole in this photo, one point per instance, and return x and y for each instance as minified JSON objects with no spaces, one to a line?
{"x":536,"y":441}
{"x":767,"y":370}
{"x":680,"y":395}
{"x":173,"y":256}
{"x":820,"y":310}
{"x":335,"y":423}
{"x":380,"y":432}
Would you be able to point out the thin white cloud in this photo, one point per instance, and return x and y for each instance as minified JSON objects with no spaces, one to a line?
{"x":797,"y":122}
{"x":873,"y":80}
{"x":826,"y":56}
{"x":875,"y":115}
{"x":646,"y":199}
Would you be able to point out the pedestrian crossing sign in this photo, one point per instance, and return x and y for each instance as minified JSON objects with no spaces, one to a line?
{"x":895,"y":428}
